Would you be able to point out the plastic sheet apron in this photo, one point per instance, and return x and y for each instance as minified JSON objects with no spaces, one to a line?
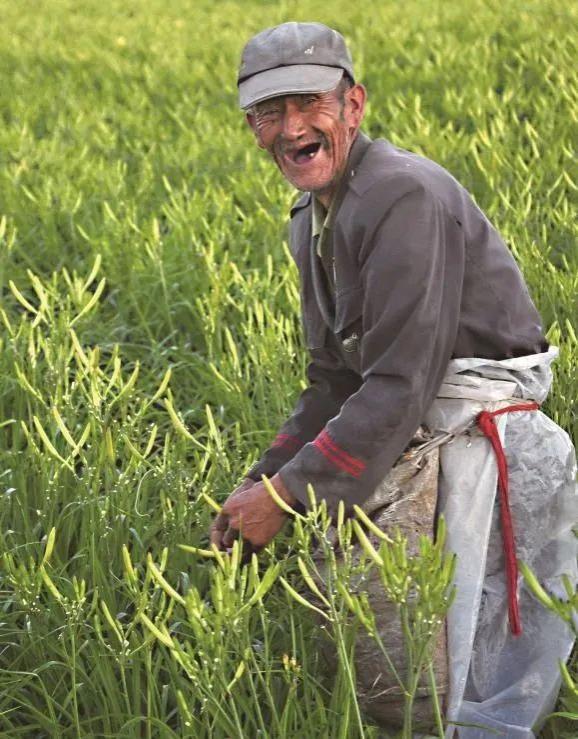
{"x":507,"y":684}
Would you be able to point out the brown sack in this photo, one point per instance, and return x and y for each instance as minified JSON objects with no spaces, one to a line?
{"x":405,"y":500}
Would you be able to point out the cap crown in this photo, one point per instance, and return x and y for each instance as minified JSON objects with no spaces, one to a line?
{"x":294,"y":43}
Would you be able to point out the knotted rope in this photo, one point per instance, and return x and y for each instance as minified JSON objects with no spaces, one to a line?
{"x":485,"y":422}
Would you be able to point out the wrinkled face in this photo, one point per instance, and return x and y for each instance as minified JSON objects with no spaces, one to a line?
{"x":309,"y":135}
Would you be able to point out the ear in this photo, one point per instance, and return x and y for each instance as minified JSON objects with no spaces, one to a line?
{"x":356,"y":97}
{"x":250,"y":118}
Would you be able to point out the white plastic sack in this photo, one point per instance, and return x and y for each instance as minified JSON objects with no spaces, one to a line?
{"x":505,"y":683}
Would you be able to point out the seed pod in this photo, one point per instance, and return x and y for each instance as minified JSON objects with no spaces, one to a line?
{"x":535,"y":587}
{"x":195,"y":550}
{"x":160,"y":580}
{"x":21,"y":299}
{"x":371,"y":525}
{"x":366,"y":544}
{"x":78,"y":348}
{"x":276,"y":497}
{"x":82,"y":440}
{"x":129,"y":569}
{"x":112,"y":622}
{"x":237,"y":676}
{"x":91,"y":303}
{"x":346,"y":595}
{"x":163,"y":386}
{"x":264,"y":586}
{"x":570,"y":684}
{"x":164,"y":638}
{"x":49,"y":545}
{"x":301,"y":600}
{"x":340,"y":514}
{"x":62,"y":426}
{"x":50,"y":585}
{"x":93,"y":272}
{"x":214,"y":505}
{"x":151,"y":441}
{"x":311,"y":582}
{"x":48,"y":444}
{"x":180,"y":426}
{"x":129,"y":384}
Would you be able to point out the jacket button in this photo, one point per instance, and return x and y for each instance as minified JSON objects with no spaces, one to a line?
{"x":351,"y":343}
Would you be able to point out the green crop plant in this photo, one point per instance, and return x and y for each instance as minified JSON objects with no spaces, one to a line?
{"x":230,"y":674}
{"x":565,"y":608}
{"x":150,"y":344}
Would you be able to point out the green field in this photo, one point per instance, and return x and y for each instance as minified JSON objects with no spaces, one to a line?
{"x":150,"y":342}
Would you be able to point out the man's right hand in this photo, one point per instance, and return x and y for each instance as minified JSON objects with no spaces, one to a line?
{"x":221,"y":522}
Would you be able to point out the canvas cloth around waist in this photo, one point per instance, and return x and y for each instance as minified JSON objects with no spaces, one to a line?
{"x":472,"y":385}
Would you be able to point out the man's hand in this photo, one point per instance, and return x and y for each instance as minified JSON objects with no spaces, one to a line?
{"x":221,"y":522}
{"x":251,"y":512}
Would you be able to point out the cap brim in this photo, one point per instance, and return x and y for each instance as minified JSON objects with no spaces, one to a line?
{"x":292,"y":80}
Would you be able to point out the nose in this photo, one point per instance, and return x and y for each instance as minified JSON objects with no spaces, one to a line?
{"x":293,"y":122}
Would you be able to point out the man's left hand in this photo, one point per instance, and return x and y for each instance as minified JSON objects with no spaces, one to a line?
{"x":254,"y":515}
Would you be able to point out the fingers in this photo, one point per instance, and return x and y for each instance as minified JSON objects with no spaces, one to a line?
{"x":228,"y":533}
{"x":218,"y":529}
{"x":223,"y":536}
{"x":221,"y":523}
{"x":247,"y":548}
{"x":229,"y":537}
{"x":228,"y":524}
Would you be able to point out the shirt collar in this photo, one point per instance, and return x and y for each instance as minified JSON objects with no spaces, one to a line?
{"x":318,"y":216}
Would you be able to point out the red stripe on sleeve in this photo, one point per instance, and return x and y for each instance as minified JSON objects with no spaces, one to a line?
{"x":353,"y":462}
{"x":337,"y":456}
{"x":287,"y":440}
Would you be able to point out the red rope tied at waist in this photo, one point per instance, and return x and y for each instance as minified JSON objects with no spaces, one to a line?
{"x":485,"y":421}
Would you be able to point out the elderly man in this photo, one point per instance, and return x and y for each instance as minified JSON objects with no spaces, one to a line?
{"x":405,"y":286}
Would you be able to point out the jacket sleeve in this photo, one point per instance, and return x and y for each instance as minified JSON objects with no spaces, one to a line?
{"x":330,"y":384}
{"x":411,"y":268}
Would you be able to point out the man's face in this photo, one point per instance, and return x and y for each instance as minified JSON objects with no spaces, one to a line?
{"x":309,"y":136}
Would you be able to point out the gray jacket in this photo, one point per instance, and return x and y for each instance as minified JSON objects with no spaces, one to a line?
{"x":411,"y":275}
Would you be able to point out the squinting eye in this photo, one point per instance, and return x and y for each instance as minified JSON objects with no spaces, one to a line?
{"x":268,"y":112}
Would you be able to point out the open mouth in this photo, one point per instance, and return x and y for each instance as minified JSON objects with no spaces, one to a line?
{"x":305,"y":153}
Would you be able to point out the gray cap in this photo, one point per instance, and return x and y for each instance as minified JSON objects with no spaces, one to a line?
{"x":292,"y":58}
